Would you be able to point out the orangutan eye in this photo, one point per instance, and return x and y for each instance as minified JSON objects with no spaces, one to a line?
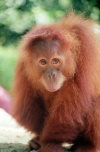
{"x":56,"y":61}
{"x":43,"y":62}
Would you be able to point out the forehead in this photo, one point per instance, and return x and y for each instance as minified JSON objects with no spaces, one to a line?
{"x":47,"y":48}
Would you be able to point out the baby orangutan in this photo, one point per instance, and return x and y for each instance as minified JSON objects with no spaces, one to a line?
{"x":57,"y":86}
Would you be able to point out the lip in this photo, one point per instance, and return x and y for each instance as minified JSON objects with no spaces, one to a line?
{"x":52,"y":90}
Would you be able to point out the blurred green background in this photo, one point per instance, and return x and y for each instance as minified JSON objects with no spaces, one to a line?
{"x":18,"y":16}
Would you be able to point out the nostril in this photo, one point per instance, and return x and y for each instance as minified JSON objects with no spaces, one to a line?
{"x":54,"y":74}
{"x":51,"y":74}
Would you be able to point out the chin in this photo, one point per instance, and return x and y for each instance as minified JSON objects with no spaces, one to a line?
{"x":53,"y":89}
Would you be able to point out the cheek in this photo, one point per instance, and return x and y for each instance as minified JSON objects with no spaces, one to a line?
{"x":61,"y":80}
{"x":32,"y":72}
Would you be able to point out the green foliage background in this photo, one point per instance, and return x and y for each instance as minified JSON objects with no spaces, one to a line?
{"x":18,"y":16}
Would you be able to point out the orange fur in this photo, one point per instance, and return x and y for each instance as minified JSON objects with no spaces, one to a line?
{"x":72,"y":114}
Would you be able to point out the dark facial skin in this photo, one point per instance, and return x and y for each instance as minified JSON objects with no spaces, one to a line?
{"x":50,"y":63}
